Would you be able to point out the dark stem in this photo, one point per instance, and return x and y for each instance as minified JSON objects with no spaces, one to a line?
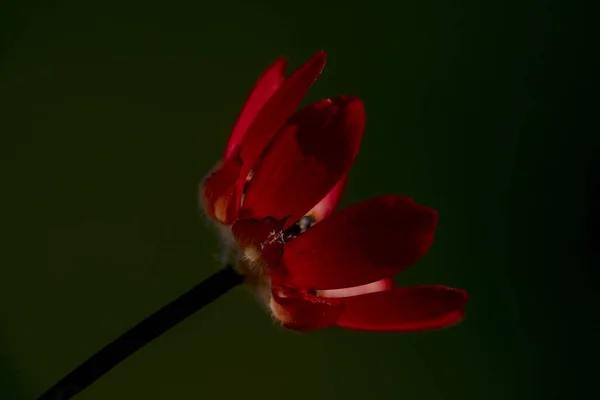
{"x":142,"y":333}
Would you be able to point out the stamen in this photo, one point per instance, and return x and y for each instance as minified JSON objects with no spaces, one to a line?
{"x":274,"y":238}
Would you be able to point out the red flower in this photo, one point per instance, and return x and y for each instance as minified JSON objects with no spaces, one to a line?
{"x":282,"y":174}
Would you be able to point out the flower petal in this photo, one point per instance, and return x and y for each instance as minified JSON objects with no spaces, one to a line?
{"x":363,"y":243}
{"x":404,"y":309}
{"x":378,"y":286}
{"x":330,"y":201}
{"x":268,"y":83}
{"x":306,"y":160}
{"x":276,"y":111}
{"x":218,"y":190}
{"x":304,"y":313}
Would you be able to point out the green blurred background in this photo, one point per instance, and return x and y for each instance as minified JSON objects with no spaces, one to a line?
{"x":112,"y":111}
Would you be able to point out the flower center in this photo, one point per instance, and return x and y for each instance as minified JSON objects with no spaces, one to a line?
{"x":274,"y":238}
{"x":280,"y":237}
{"x":252,"y":254}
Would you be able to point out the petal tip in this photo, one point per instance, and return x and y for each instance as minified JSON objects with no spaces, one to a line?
{"x":459,"y":297}
{"x":318,"y":59}
{"x":463,"y":295}
{"x":350,"y":102}
{"x":356,"y":106}
{"x":321,"y":54}
{"x":280,"y":65}
{"x":432,"y":214}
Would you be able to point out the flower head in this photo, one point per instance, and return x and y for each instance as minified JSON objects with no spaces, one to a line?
{"x":282,"y":175}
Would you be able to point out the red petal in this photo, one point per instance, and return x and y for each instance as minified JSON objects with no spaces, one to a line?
{"x":219,"y":197}
{"x":276,"y":111}
{"x":306,"y":160}
{"x":304,"y":313}
{"x":363,"y":243}
{"x":267,"y":84}
{"x":330,"y":201}
{"x":404,"y":309}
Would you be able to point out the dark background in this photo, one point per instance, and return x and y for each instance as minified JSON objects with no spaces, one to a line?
{"x":112,"y":111}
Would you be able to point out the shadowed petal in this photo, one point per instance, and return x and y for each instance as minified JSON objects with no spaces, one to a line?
{"x":363,"y":243}
{"x":218,"y":190}
{"x":404,"y":309}
{"x":276,"y":111}
{"x":330,"y":201}
{"x":268,"y":83}
{"x":306,"y":160}
{"x":304,"y":313}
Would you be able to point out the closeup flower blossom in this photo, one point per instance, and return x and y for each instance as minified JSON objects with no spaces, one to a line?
{"x":273,"y":197}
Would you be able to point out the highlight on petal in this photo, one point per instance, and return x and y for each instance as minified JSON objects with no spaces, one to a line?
{"x":303,"y":313}
{"x":328,"y":204}
{"x":276,"y":111}
{"x":268,"y":83}
{"x":363,"y":243}
{"x":306,"y":160}
{"x":404,"y":309}
{"x":218,"y":191}
{"x":373,"y":287}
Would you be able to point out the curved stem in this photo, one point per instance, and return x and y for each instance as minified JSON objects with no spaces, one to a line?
{"x":144,"y":332}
